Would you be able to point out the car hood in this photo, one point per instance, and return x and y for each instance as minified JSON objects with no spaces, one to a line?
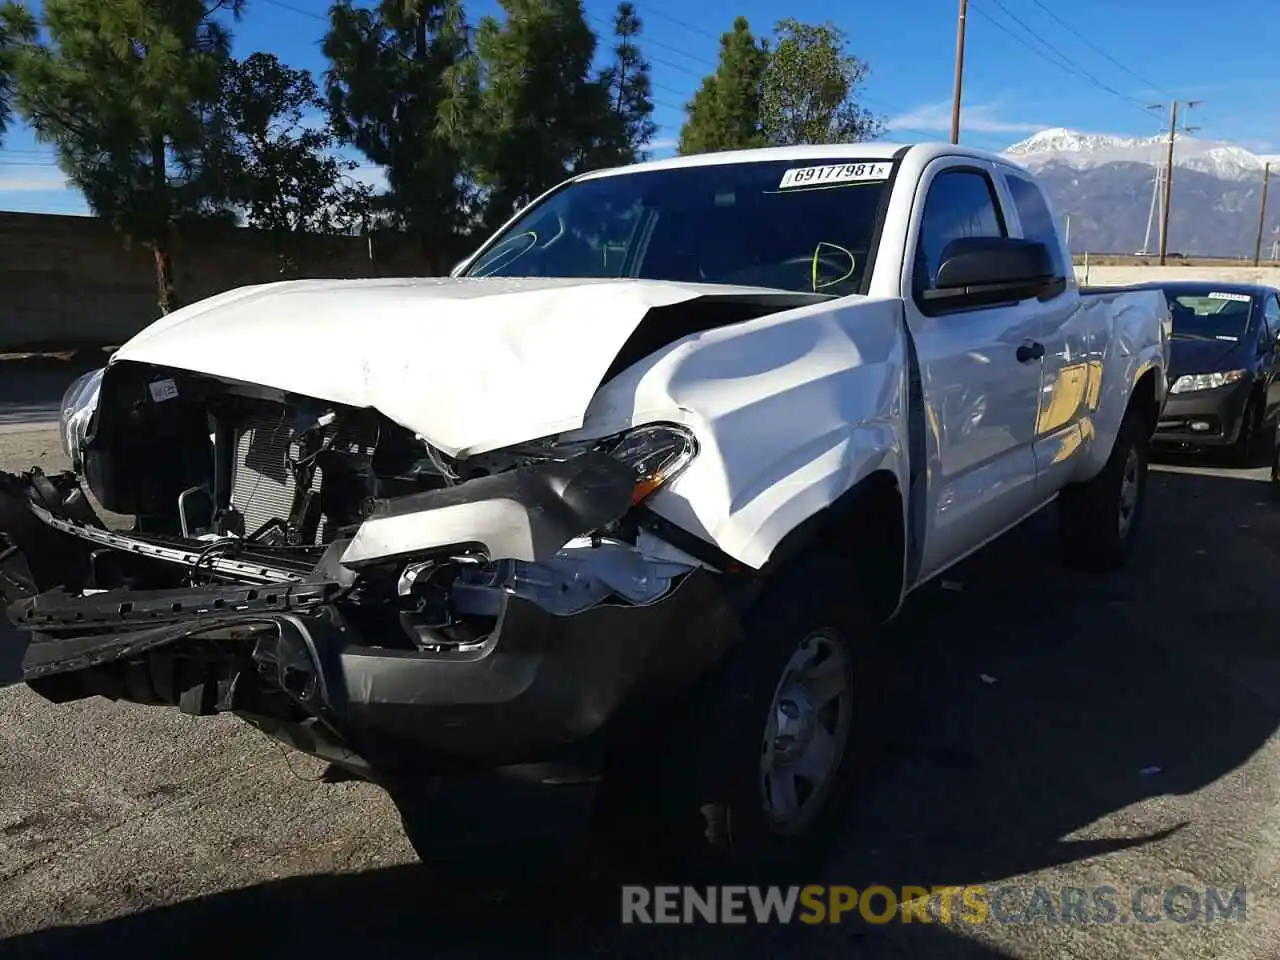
{"x":1204,"y":356}
{"x":468,"y":364}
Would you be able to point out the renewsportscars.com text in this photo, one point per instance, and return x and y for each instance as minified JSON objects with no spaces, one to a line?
{"x":817,"y":904}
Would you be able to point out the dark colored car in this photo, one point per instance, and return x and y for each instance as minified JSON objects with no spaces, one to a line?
{"x":1223,"y":387}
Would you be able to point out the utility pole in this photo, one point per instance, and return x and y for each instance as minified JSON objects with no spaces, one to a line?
{"x":959,"y":81}
{"x":1168,"y":176}
{"x":1262,"y":213}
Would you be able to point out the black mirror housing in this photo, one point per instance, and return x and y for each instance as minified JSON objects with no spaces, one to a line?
{"x":978,"y":271}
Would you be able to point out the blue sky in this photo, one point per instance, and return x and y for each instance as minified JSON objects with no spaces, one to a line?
{"x":1090,"y":65}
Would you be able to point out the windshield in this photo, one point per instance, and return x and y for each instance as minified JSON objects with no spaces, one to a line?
{"x":799,"y":226}
{"x":1210,"y":314}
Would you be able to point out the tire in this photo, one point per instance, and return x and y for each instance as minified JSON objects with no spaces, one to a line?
{"x":1099,"y":520}
{"x":793,"y":683}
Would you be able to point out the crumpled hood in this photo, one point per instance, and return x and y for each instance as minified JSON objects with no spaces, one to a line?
{"x":469,"y":364}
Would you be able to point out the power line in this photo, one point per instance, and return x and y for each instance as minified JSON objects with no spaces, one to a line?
{"x":678,"y":22}
{"x":298,"y":10}
{"x":1072,"y":30}
{"x":1060,"y":60}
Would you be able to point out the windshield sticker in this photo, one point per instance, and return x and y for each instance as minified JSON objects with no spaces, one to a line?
{"x":1224,"y":337}
{"x":834,"y":173}
{"x":1237,"y":297}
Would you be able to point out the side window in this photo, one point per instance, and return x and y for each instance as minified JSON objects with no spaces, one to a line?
{"x":1037,"y":221}
{"x":1271,"y":319}
{"x":960,"y":203}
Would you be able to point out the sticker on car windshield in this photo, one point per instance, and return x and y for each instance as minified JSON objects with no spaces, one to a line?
{"x":834,"y":173}
{"x":1238,"y":297}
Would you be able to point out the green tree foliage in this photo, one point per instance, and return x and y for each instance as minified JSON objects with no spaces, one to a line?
{"x":808,"y":88}
{"x":16,"y":25}
{"x":124,"y":91}
{"x":630,"y":88}
{"x":724,"y":114}
{"x":278,"y":164}
{"x":393,"y":93}
{"x":540,"y":113}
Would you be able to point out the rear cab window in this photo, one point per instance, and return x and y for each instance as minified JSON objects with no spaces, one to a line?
{"x":1036,"y":216}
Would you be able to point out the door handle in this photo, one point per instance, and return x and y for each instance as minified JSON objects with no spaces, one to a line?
{"x":1031,"y":350}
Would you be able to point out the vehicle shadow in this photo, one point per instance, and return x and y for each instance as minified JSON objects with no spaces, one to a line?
{"x":12,"y":647}
{"x":1026,"y":712}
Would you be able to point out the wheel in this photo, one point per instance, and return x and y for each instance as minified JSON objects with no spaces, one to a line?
{"x":779,"y":732}
{"x":1099,"y":519}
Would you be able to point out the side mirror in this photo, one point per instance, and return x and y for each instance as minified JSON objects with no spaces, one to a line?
{"x":984,"y":271}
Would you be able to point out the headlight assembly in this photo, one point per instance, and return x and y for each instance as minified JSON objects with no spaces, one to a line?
{"x":1191,"y":382}
{"x":658,"y":453}
{"x":78,"y":406}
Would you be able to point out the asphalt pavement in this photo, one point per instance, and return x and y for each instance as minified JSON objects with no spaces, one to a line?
{"x":1045,"y":729}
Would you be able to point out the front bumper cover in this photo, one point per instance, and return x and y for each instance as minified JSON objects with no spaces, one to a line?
{"x":1222,"y":409}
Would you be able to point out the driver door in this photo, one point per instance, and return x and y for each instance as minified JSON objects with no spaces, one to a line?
{"x":980,"y":392}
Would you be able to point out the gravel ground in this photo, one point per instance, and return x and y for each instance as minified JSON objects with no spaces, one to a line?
{"x":1047,"y":729}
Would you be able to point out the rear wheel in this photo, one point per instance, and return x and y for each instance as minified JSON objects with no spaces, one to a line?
{"x":1098,"y":520}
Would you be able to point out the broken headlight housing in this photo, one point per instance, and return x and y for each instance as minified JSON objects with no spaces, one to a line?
{"x":588,"y":570}
{"x":79,"y":404}
{"x":658,"y":453}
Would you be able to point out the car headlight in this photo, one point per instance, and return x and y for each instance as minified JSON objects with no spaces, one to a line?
{"x":658,"y":453}
{"x":1190,"y":382}
{"x":78,"y":406}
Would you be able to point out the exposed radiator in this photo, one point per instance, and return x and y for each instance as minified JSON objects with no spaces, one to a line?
{"x":262,"y":484}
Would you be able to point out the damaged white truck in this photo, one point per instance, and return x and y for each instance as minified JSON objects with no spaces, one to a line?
{"x":642,"y":478}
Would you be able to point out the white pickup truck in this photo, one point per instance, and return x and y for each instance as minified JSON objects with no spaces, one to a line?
{"x":641,"y":478}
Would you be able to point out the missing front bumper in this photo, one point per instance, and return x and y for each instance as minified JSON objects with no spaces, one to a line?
{"x":326,"y":661}
{"x":537,"y":686}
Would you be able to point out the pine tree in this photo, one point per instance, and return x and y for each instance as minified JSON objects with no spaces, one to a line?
{"x":393,"y":94}
{"x":630,"y":87}
{"x":124,"y":91}
{"x":725,"y":112}
{"x":541,"y":113}
{"x":16,"y":25}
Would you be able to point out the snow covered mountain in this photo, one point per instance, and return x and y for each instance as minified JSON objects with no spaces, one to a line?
{"x":1085,"y":150}
{"x":1105,"y":183}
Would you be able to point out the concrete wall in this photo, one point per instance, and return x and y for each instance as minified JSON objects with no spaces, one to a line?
{"x":1119,"y":276}
{"x":71,"y":281}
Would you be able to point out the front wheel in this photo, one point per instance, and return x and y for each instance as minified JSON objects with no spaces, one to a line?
{"x":1250,"y":448}
{"x":1098,"y":520}
{"x":780,"y":732}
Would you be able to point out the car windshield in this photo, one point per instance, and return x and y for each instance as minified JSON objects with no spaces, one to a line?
{"x":802,"y":226}
{"x":1210,"y":314}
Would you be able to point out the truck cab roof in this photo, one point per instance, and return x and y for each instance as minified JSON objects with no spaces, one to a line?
{"x":923,"y":153}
